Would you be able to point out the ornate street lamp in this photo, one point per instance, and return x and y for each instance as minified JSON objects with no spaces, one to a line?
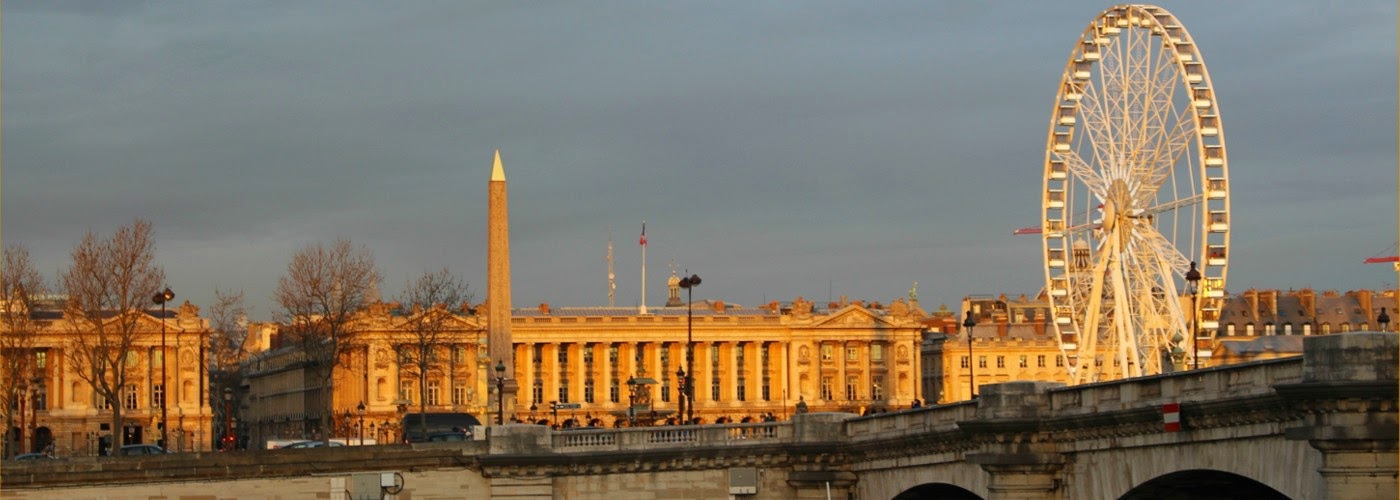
{"x":162,"y":297}
{"x":1383,"y":319}
{"x":680,"y":383}
{"x":1193,"y":278}
{"x":228,"y":419}
{"x":689,"y":285}
{"x":501,"y":392}
{"x":34,"y":410}
{"x":969,"y":323}
{"x":361,"y":410}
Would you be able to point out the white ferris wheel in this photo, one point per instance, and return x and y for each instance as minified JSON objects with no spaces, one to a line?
{"x":1136,"y":191}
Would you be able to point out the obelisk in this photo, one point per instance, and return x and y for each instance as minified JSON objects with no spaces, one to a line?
{"x":498,"y":285}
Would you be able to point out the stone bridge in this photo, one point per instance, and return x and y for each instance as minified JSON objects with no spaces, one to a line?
{"x":1320,"y":426}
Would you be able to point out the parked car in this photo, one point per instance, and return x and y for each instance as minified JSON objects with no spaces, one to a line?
{"x":141,"y":449}
{"x":449,"y":436}
{"x":437,"y":423}
{"x":312,"y":444}
{"x":34,"y":456}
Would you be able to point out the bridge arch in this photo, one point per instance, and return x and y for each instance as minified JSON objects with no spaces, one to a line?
{"x":939,"y":491}
{"x":1202,"y":484}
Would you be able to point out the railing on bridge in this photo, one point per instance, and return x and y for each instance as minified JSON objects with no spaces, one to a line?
{"x":641,"y":438}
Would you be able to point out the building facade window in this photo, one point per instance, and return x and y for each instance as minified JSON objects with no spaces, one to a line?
{"x":665,"y":356}
{"x":588,"y":390}
{"x":851,"y":381}
{"x":1307,"y":328}
{"x":1040,"y":361}
{"x":1059,"y":361}
{"x":981,"y":361}
{"x":852,"y":353}
{"x":877,"y":352}
{"x":827,"y":352}
{"x":406,"y":390}
{"x":826,"y":387}
{"x":130,"y":397}
{"x":157,"y":395}
{"x":434,"y":393}
{"x":1025,"y":363}
{"x":1288,"y":328}
{"x":613,"y":391}
{"x":964,"y":362}
{"x":563,"y":396}
{"x":1269,"y":329}
{"x":459,"y":393}
{"x":740,"y":372}
{"x":1249,"y":329}
{"x":1230,"y":330}
{"x":537,"y":391}
{"x":764,"y":361}
{"x":877,"y":387}
{"x":714,"y":372}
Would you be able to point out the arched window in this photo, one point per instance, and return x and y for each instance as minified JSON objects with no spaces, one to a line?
{"x":1268,"y":329}
{"x":381,"y":389}
{"x":1326,"y":328}
{"x":1307,"y":328}
{"x":1230,"y":330}
{"x":1346,"y":327}
{"x":1249,"y":329}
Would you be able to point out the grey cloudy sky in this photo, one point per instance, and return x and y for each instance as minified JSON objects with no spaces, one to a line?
{"x":775,"y":148}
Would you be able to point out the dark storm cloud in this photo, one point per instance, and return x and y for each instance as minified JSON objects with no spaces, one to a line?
{"x":777,"y":149}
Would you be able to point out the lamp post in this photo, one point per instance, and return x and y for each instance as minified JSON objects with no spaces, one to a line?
{"x":228,"y":419}
{"x":34,"y":411}
{"x":689,"y":285}
{"x":681,"y":392}
{"x":372,"y":433}
{"x":500,"y":392}
{"x":1383,"y":319}
{"x":161,"y":298}
{"x":1193,"y":278}
{"x":969,"y":324}
{"x":361,"y":410}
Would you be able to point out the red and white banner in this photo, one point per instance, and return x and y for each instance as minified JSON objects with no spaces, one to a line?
{"x":1171,"y":417}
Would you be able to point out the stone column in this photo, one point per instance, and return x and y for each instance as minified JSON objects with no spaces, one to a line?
{"x":525,"y":371}
{"x":551,"y":366}
{"x":1349,"y":394}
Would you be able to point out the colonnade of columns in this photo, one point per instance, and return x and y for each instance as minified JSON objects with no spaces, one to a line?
{"x":732,"y":378}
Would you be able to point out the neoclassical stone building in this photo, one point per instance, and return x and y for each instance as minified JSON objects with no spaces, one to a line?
{"x":749,"y":362}
{"x":55,"y":405}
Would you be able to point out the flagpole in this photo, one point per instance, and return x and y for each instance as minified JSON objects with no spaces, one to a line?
{"x":612,"y":283}
{"x":644,"y":267}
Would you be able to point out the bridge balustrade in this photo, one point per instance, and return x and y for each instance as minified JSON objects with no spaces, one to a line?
{"x":1239,"y":380}
{"x":931,"y":419}
{"x":640,"y":438}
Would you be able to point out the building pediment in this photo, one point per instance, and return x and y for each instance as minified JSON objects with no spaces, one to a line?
{"x":446,"y":319}
{"x":853,"y":316}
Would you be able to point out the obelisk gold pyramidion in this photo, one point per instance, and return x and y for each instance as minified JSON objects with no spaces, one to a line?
{"x":498,"y":280}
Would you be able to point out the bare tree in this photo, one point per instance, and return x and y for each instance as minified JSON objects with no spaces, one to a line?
{"x":322,"y":291}
{"x":228,"y":318}
{"x":430,"y":330}
{"x":20,"y":288}
{"x":109,"y":285}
